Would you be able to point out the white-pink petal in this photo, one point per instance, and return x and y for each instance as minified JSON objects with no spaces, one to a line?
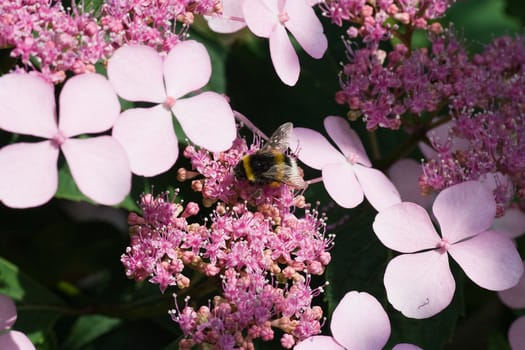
{"x":515,"y":296}
{"x":207,"y":119}
{"x":517,"y":334}
{"x":100,"y":168}
{"x":284,"y":57}
{"x":7,"y":312}
{"x":490,"y":259}
{"x":14,"y":340}
{"x":186,"y":68}
{"x":231,"y":20}
{"x":136,"y":73}
{"x":88,"y":104}
{"x":419,"y":285}
{"x":261,"y":16}
{"x":405,"y":176}
{"x":463,"y":210}
{"x":29,"y":175}
{"x":341,"y":184}
{"x":378,"y":189}
{"x":314,"y":149}
{"x":318,"y":342}
{"x":306,"y":27}
{"x":512,"y":223}
{"x":405,"y":227}
{"x":347,"y":140}
{"x":360,"y":322}
{"x":148,"y":138}
{"x":27,"y":105}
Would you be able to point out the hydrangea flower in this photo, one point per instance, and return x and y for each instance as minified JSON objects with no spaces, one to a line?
{"x":10,"y":339}
{"x":420,"y":283}
{"x":230,"y":20}
{"x":358,"y":322}
{"x":347,"y":175}
{"x":139,"y":73}
{"x":271,"y":19}
{"x":87,"y":104}
{"x":515,"y":298}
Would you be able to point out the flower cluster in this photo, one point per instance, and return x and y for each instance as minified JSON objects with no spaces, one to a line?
{"x":52,"y":40}
{"x":372,"y":20}
{"x":254,"y":247}
{"x":384,"y":88}
{"x":488,"y":109}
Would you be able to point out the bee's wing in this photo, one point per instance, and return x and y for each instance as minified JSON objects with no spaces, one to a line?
{"x":279,"y":139}
{"x":286,"y":174}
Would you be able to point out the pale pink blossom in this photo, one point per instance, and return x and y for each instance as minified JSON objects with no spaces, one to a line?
{"x":517,"y":334}
{"x":347,"y":174}
{"x":358,"y":322}
{"x":87,"y":104}
{"x":139,"y":73}
{"x":10,"y":339}
{"x":272,"y":18}
{"x":230,"y":20}
{"x":420,"y":283}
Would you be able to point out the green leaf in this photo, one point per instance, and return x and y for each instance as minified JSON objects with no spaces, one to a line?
{"x":88,"y":328}
{"x":38,"y":308}
{"x":481,"y":20}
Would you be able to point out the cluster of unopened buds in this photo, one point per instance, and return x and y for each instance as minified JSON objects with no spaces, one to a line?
{"x":258,"y":247}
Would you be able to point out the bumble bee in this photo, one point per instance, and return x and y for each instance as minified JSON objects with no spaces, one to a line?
{"x":271,"y":165}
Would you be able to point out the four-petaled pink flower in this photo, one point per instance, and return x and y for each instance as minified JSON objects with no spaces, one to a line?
{"x":271,"y":18}
{"x":347,"y":176}
{"x":139,"y":73}
{"x":358,"y":322}
{"x":87,"y":104}
{"x":9,"y":339}
{"x":421,"y":284}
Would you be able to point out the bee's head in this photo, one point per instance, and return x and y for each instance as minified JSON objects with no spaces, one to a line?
{"x":239,"y":172}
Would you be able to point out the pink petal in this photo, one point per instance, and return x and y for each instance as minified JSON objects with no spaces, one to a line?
{"x":490,"y":259}
{"x":404,"y":174}
{"x":214,"y":131}
{"x":512,"y":223}
{"x":14,"y":340}
{"x":318,"y":342}
{"x":515,"y":296}
{"x":136,"y":73}
{"x":186,"y":68}
{"x":441,"y":135}
{"x":419,"y":285}
{"x":306,"y":27}
{"x":232,"y":18}
{"x":158,"y":148}
{"x":405,"y":346}
{"x":405,"y":227}
{"x":360,"y":322}
{"x":261,"y":16}
{"x":284,"y":58}
{"x":314,"y":149}
{"x":341,"y":184}
{"x":27,"y":105}
{"x":88,"y":104}
{"x":378,"y":189}
{"x":517,"y":334}
{"x":100,"y":168}
{"x":464,"y":210}
{"x":7,"y":312}
{"x":29,"y":176}
{"x":346,"y":139}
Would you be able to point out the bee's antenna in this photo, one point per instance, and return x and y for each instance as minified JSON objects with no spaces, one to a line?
{"x":245,"y":121}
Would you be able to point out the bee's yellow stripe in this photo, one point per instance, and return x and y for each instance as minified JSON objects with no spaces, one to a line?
{"x":248,"y":169}
{"x":279,"y":162}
